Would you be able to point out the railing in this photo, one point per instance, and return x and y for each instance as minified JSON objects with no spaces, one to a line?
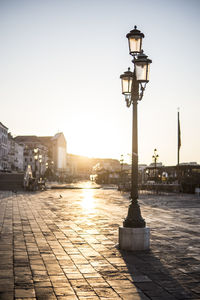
{"x":151,"y":188}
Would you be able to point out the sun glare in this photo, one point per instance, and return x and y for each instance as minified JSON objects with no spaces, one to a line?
{"x":88,"y":201}
{"x":91,"y":139}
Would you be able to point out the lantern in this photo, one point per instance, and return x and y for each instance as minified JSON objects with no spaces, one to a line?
{"x":127,"y":78}
{"x":142,"y":65}
{"x":135,"y":37}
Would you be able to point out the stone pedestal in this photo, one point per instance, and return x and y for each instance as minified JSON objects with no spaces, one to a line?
{"x":134,"y":238}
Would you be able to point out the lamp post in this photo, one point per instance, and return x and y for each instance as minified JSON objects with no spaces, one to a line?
{"x":122,"y":175}
{"x":52,"y":167}
{"x":36,"y":150}
{"x":121,"y":162}
{"x":155,"y":158}
{"x":133,"y":86}
{"x":40,"y":166}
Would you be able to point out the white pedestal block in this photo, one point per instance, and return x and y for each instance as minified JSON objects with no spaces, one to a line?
{"x":134,"y":238}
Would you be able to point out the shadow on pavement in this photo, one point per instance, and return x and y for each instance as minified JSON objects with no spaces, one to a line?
{"x":156,"y":280}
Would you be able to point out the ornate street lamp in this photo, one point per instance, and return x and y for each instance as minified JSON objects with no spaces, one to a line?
{"x":122,"y":171}
{"x":155,"y":158}
{"x":36,"y":150}
{"x":133,"y":86}
{"x":40,"y":162}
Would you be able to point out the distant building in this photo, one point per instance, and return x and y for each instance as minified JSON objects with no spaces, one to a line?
{"x":19,"y":157}
{"x":111,"y":165}
{"x":192,"y":163}
{"x":57,"y":147}
{"x":72,"y":165}
{"x":107,"y":171}
{"x":35,"y":154}
{"x":42,"y":152}
{"x":3,"y":147}
{"x":11,"y":152}
{"x":15,"y":155}
{"x":158,"y":164}
{"x":82,"y":167}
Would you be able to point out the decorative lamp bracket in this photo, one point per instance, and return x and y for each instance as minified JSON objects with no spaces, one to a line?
{"x":128,"y":100}
{"x":141,"y":92}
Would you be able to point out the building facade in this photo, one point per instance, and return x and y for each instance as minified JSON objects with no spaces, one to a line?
{"x":19,"y":157}
{"x":44,"y":152}
{"x":57,"y":150}
{"x":3,"y":147}
{"x":35,"y":154}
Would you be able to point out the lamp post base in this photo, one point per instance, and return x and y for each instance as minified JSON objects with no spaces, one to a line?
{"x":134,"y":238}
{"x":134,"y":218}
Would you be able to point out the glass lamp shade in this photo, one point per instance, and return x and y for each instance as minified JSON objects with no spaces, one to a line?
{"x":126,"y":78}
{"x":36,"y":157}
{"x":135,"y":37}
{"x":142,"y":67}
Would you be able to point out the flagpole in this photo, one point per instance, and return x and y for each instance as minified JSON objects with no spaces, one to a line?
{"x":178,"y":154}
{"x":179,"y":140}
{"x":178,"y":150}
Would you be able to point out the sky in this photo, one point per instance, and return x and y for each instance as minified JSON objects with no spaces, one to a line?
{"x":60,"y":63}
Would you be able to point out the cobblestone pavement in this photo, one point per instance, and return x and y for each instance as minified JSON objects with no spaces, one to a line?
{"x":61,"y":244}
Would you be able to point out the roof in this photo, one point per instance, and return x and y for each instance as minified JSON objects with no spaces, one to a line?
{"x":3,"y":125}
{"x":27,"y":138}
{"x":57,"y":135}
{"x":45,"y":140}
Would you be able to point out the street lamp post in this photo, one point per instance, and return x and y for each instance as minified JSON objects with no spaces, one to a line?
{"x":40,"y":164}
{"x":36,"y":150}
{"x":133,"y":86}
{"x":122,"y":162}
{"x":155,"y":158}
{"x":122,"y":175}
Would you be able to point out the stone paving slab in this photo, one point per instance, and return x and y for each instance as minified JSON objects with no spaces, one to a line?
{"x":54,"y":247}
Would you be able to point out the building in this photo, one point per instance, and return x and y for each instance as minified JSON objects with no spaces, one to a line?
{"x":57,"y":151}
{"x":35,"y":154}
{"x":15,"y":155}
{"x":3,"y":147}
{"x":111,"y":165}
{"x":43,"y":152}
{"x":11,"y":152}
{"x":107,"y":171}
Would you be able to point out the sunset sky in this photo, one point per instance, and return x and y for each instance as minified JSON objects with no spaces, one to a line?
{"x":60,"y":63}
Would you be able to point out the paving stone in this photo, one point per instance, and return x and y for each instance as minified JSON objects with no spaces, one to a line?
{"x":24,"y":293}
{"x":44,"y":293}
{"x":93,"y":297}
{"x":6,"y":295}
{"x":43,"y":284}
{"x":64,"y":291}
{"x":7,"y":287}
{"x":105,"y":292}
{"x":97,"y":282}
{"x":70,"y":297}
{"x":74,"y":276}
{"x":91,"y":275}
{"x":32,"y":298}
